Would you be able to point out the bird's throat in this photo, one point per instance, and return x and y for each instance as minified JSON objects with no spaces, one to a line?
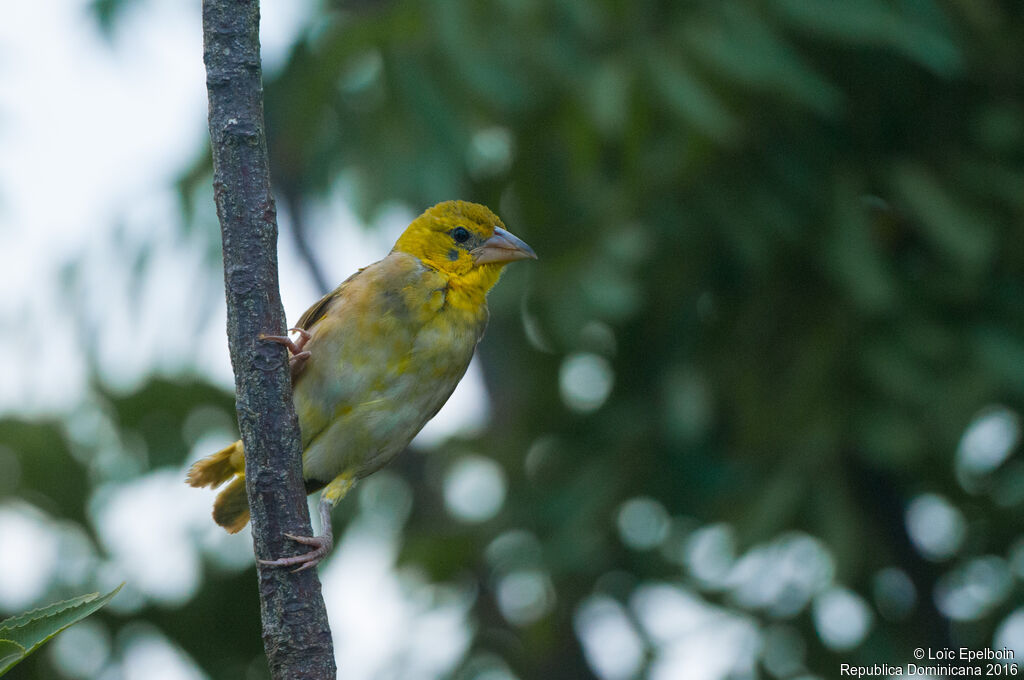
{"x":468,"y":292}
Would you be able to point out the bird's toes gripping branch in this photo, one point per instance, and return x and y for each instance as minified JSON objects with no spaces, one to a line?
{"x":322,"y":544}
{"x":296,"y":347}
{"x":321,"y":547}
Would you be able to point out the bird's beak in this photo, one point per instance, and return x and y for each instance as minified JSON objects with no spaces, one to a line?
{"x":504,"y":246}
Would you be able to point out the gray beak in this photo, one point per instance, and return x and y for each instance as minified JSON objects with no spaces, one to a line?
{"x":504,"y":246}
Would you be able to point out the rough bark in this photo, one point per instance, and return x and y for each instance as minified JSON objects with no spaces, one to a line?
{"x":295,"y":628}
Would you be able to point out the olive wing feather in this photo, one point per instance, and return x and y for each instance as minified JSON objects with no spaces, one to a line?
{"x":319,"y":309}
{"x":316,"y":313}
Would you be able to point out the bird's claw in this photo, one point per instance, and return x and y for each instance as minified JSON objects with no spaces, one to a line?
{"x":304,"y":336}
{"x":321,"y":546}
{"x":294,"y":346}
{"x":297,"y":361}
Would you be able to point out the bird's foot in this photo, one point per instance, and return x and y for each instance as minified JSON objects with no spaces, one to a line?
{"x":299,"y":355}
{"x":321,"y":547}
{"x":294,"y":346}
{"x":298,"y":361}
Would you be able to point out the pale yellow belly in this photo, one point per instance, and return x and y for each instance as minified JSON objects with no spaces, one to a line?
{"x":383,"y":403}
{"x":363,"y":440}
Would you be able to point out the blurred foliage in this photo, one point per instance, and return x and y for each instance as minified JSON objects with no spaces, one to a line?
{"x":780,"y":279}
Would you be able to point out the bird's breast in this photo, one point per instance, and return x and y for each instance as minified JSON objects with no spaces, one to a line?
{"x":373,"y":382}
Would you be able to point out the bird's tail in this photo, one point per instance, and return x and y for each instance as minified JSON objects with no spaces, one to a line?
{"x":217,"y":468}
{"x":231,"y":509}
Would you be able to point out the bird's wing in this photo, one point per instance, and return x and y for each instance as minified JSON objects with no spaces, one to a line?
{"x":316,"y":313}
{"x":319,"y":309}
{"x":369,"y":291}
{"x":349,"y":327}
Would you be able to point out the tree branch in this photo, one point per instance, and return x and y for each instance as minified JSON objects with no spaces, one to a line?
{"x":295,"y":629}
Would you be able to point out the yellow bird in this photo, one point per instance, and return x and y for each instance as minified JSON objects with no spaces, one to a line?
{"x":377,"y":358}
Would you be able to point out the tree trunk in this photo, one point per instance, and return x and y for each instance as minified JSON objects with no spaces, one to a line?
{"x":296,"y":634}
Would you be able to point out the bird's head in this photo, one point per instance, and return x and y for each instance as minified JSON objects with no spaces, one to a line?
{"x":464,"y":240}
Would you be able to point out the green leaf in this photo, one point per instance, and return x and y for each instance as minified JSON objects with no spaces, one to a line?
{"x":10,"y":654}
{"x":22,"y":634}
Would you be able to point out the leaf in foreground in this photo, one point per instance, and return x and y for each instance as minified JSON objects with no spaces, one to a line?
{"x":22,"y":634}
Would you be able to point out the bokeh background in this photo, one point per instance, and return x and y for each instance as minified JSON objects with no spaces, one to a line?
{"x":756,"y":411}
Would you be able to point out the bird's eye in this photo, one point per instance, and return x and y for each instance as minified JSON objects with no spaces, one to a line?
{"x":460,"y":234}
